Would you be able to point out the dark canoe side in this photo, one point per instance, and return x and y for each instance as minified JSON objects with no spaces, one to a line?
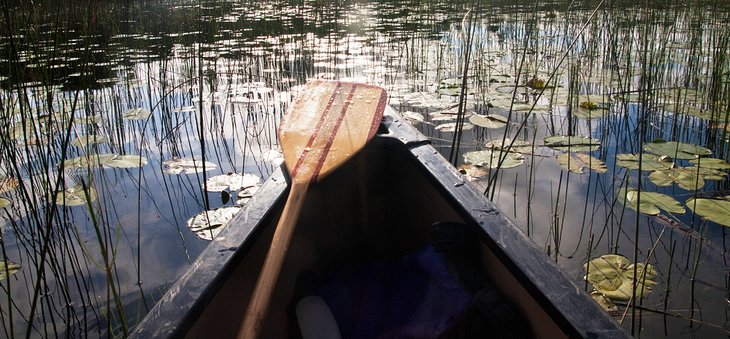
{"x":382,"y":203}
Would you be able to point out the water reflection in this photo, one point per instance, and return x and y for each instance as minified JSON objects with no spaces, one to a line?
{"x":216,"y":77}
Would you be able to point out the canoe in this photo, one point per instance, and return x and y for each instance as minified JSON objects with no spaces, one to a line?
{"x":395,"y":243}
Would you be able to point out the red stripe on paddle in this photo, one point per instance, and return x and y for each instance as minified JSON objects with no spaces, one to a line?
{"x":313,"y":137}
{"x":331,"y":139}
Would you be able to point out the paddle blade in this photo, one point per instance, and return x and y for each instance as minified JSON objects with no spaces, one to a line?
{"x":327,"y":124}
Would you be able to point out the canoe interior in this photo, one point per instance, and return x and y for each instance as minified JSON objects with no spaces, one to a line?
{"x":382,"y":204}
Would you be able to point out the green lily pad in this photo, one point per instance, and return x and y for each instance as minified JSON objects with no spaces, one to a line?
{"x":414,"y":118}
{"x":517,"y":146}
{"x":572,"y":143}
{"x":613,"y":277}
{"x":89,"y":160}
{"x":186,"y":166}
{"x":651,"y":202}
{"x":676,"y":150}
{"x":491,"y":158}
{"x":689,"y":178}
{"x":246,"y":194}
{"x":488,"y":121}
{"x":579,"y":162}
{"x":136,"y":114}
{"x":8,"y":268}
{"x":450,"y":127}
{"x":715,"y":210}
{"x":8,"y":184}
{"x":231,"y":181}
{"x":126,"y":161}
{"x":75,"y":196}
{"x":87,"y":140}
{"x":4,"y":202}
{"x":208,"y":224}
{"x":649,"y":162}
{"x":711,"y":163}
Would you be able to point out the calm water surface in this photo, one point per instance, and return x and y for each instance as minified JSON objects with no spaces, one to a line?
{"x":156,"y":82}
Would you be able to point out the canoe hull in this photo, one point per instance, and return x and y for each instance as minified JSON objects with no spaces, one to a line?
{"x":381,"y":204}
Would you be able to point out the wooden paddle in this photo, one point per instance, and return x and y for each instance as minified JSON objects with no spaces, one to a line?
{"x":326,"y":125}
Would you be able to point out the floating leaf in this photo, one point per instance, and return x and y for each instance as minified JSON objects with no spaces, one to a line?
{"x":136,"y":114}
{"x":488,"y":121}
{"x":578,"y":162}
{"x":517,"y":146}
{"x":126,"y":161}
{"x":491,"y":159}
{"x":689,"y":178}
{"x":572,"y":143}
{"x":246,"y":194}
{"x":208,"y":224}
{"x":186,"y":166}
{"x":535,"y":83}
{"x":473,"y":172}
{"x":4,"y":202}
{"x":650,"y":202}
{"x":232,"y":181}
{"x":450,"y":127}
{"x":606,"y":304}
{"x":589,"y":105}
{"x":676,"y":150}
{"x":76,"y":196}
{"x":8,"y":268}
{"x":711,"y":163}
{"x":649,"y":162}
{"x":90,"y":160}
{"x":613,"y":277}
{"x":8,"y":184}
{"x":715,"y":210}
{"x":414,"y":118}
{"x":87,"y":140}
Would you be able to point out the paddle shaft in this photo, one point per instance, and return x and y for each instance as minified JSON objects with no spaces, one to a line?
{"x":259,"y":304}
{"x":327,"y":124}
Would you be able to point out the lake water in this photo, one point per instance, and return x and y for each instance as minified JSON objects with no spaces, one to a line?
{"x":147,"y":114}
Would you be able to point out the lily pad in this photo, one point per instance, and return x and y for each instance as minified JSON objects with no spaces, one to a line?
{"x":649,"y":162}
{"x":488,"y":121}
{"x":473,"y":172}
{"x":231,"y":181}
{"x":87,"y":140}
{"x":186,"y":166}
{"x":491,"y":159}
{"x":715,"y":210}
{"x":126,"y":161}
{"x":76,"y":196}
{"x":4,"y":202}
{"x":414,"y":118}
{"x":208,"y":224}
{"x":136,"y":114}
{"x":517,"y":146}
{"x":676,"y":150}
{"x":579,"y":162}
{"x":89,"y":160}
{"x":572,"y":143}
{"x":8,"y":268}
{"x":689,"y":178}
{"x":710,"y":163}
{"x":8,"y":184}
{"x":450,"y":127}
{"x":651,"y":202}
{"x":246,"y":194}
{"x":615,"y":280}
